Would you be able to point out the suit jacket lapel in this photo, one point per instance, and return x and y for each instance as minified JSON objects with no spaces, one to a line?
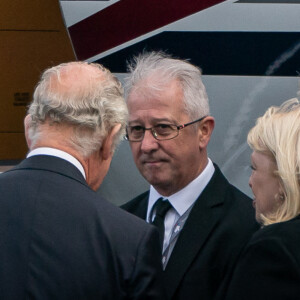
{"x":201,"y":221}
{"x":142,"y":206}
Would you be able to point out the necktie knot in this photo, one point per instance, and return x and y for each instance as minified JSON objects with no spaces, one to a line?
{"x":162,"y":207}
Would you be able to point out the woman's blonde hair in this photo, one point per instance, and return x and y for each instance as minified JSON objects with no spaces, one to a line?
{"x":277,"y":134}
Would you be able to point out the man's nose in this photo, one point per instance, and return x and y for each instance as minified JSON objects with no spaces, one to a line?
{"x":149,"y":143}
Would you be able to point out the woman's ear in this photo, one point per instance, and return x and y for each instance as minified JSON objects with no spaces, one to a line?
{"x":281,"y":194}
{"x":206,"y":128}
{"x":108,"y":142}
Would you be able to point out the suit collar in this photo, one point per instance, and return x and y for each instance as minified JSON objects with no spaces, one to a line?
{"x":51,"y":164}
{"x":185,"y":198}
{"x":204,"y":216}
{"x":58,"y":153}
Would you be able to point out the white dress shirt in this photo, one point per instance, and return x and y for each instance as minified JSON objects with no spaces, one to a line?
{"x":58,"y":153}
{"x":181,"y":201}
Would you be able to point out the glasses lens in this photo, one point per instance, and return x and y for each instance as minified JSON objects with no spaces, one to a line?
{"x":165,"y":131}
{"x":160,"y":132}
{"x":135,"y":133}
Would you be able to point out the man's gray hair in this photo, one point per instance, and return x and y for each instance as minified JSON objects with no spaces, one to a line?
{"x":86,"y":97}
{"x":150,"y":72}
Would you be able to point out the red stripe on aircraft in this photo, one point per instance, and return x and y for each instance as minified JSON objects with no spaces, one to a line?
{"x":126,"y":20}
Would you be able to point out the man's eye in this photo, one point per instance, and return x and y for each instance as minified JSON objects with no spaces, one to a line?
{"x":252,"y":168}
{"x":137,"y":128}
{"x":164,"y":129}
{"x":163,"y":126}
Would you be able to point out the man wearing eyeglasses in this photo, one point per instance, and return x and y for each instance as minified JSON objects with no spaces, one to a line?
{"x":203,"y":220}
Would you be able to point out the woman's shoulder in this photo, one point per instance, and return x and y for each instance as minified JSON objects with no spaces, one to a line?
{"x":283,"y":235}
{"x":277,"y":229}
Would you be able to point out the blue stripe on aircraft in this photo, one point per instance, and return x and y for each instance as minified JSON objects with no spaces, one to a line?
{"x":222,"y":53}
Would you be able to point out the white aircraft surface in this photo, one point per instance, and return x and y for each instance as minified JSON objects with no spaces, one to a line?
{"x":249,"y":52}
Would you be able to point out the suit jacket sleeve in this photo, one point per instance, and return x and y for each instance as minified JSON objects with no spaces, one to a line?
{"x":146,"y":283}
{"x":267,"y":269}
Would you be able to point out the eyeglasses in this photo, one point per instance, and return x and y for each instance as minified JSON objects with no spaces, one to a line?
{"x":160,"y":131}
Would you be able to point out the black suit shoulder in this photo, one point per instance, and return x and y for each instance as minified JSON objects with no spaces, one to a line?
{"x":239,"y":210}
{"x":138,"y":205}
{"x":286,"y":231}
{"x":283,"y":236}
{"x":269,"y":267}
{"x":82,"y":246}
{"x":136,"y":201}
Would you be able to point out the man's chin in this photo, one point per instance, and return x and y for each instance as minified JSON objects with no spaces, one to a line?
{"x":155,"y":180}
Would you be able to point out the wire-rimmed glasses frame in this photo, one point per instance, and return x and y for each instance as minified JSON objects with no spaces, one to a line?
{"x":170,"y":131}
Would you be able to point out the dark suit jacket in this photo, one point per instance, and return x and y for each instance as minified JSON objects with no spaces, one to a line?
{"x":218,"y":227}
{"x":59,"y":240}
{"x":269,"y":267}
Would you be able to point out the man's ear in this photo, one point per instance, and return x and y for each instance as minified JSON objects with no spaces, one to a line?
{"x":107,"y":145}
{"x":206,"y":128}
{"x":27,"y":123}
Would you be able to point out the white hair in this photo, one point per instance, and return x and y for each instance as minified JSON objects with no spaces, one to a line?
{"x":151,"y":72}
{"x":86,"y":97}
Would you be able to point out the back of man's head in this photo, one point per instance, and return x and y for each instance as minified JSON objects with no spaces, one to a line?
{"x":85,"y":100}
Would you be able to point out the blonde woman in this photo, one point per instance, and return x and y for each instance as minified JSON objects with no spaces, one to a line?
{"x":269,"y":267}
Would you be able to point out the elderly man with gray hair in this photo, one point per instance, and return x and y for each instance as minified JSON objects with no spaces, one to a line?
{"x":59,"y":239}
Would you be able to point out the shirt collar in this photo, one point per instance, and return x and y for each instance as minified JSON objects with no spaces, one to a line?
{"x":186,"y":197}
{"x":58,"y":153}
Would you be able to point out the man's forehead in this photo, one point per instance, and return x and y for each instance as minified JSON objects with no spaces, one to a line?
{"x":155,"y":90}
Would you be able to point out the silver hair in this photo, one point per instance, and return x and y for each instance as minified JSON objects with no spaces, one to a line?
{"x":150,"y":72}
{"x":86,"y":97}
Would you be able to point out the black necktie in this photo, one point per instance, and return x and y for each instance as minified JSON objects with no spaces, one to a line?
{"x":161,"y":206}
